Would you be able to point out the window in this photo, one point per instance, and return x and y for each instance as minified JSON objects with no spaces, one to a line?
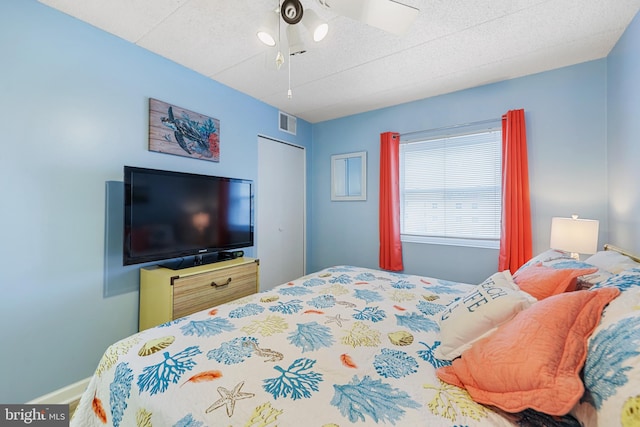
{"x":450,"y":189}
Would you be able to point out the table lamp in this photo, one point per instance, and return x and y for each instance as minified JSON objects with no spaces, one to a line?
{"x":578,"y":236}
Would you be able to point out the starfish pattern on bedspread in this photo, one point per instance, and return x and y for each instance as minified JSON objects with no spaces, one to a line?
{"x":229,"y":398}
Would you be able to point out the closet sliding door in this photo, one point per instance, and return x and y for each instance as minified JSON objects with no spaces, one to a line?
{"x":280,"y":224}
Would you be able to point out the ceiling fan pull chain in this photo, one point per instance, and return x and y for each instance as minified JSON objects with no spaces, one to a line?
{"x":279,"y":57}
{"x":289,"y":93}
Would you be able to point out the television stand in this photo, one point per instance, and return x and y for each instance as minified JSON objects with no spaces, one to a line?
{"x":166,"y":295}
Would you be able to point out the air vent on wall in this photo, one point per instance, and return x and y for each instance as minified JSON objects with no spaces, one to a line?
{"x":287,"y":123}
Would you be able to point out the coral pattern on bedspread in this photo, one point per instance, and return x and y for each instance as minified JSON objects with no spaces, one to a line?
{"x":612,"y":368}
{"x":344,"y":346}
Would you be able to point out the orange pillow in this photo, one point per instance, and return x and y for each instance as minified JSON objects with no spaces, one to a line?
{"x":533,"y":361}
{"x":541,"y":281}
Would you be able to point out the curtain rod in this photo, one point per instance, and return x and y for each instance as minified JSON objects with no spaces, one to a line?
{"x":480,"y":122}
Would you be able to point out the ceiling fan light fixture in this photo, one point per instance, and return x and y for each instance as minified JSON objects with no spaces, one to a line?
{"x":291,"y":11}
{"x":316,"y":26}
{"x":296,"y":45}
{"x":321,"y":32}
{"x":268,"y":29}
{"x":266,"y":38}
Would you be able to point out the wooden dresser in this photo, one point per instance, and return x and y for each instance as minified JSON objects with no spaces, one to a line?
{"x":167,"y":294}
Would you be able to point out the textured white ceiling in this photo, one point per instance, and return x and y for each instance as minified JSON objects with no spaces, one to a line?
{"x":452,"y":45}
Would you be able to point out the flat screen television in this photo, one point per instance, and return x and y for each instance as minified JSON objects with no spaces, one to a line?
{"x":169,"y":215}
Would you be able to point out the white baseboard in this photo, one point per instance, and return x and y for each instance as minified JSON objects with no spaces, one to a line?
{"x":64,"y":395}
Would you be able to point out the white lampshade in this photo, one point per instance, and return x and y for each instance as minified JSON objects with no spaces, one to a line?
{"x":296,"y":45}
{"x":268,"y":30}
{"x":578,"y":236}
{"x":316,"y":26}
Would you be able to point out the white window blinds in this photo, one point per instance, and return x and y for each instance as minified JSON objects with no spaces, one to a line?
{"x":451,"y":186}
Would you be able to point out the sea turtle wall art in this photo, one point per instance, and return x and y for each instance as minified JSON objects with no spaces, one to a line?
{"x":175,"y":130}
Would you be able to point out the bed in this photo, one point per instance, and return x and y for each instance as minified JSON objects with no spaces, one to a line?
{"x":357,"y":346}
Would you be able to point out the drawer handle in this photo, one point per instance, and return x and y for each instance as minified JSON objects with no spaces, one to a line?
{"x":217,"y":285}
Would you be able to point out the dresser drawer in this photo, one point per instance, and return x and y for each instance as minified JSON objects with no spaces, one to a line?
{"x":208,"y":289}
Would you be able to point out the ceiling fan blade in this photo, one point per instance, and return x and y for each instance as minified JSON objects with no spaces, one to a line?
{"x":388,"y":15}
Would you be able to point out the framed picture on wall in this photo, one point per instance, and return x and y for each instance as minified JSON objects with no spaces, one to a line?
{"x":178,"y":131}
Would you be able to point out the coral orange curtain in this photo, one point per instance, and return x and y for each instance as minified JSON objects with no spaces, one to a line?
{"x":515,"y":238}
{"x":390,"y":244}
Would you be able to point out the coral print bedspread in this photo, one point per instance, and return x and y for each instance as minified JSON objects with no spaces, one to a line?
{"x":344,"y":346}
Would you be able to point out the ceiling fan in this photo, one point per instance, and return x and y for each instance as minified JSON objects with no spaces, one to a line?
{"x":388,"y":15}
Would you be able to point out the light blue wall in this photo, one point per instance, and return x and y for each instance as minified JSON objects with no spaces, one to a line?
{"x":566,"y":130}
{"x":623,"y":112}
{"x":74,"y":108}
